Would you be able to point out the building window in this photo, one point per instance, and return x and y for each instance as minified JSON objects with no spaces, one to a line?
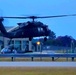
{"x":17,"y":44}
{"x":23,"y":45}
{"x":10,"y":42}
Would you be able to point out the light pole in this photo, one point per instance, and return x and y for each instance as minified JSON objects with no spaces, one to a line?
{"x":38,"y":45}
{"x":72,"y":48}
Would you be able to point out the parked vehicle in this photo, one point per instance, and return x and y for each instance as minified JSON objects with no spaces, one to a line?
{"x":8,"y":49}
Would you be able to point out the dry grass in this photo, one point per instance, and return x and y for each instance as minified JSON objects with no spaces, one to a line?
{"x":37,"y":59}
{"x":37,"y":71}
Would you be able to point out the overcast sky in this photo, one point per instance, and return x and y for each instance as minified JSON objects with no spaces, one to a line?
{"x":61,"y":26}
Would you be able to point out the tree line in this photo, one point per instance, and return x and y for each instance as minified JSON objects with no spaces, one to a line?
{"x":60,"y":40}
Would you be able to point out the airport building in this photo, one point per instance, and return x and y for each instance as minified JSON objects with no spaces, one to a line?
{"x":20,"y":43}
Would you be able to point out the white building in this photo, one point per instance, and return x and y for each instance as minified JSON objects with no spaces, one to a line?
{"x":20,"y":43}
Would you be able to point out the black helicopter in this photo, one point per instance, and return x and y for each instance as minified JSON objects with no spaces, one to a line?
{"x":29,"y":29}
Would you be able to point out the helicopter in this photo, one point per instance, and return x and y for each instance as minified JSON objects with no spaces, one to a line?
{"x":29,"y":29}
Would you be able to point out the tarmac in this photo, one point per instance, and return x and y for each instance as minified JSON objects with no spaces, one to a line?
{"x":37,"y":64}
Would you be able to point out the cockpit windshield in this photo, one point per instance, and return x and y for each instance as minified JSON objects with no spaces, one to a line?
{"x":40,"y":29}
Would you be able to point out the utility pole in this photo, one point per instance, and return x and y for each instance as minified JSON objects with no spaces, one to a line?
{"x":72,"y":48}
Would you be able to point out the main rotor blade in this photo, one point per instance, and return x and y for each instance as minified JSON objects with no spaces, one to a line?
{"x":22,"y":17}
{"x":35,"y":17}
{"x":57,"y":16}
{"x":16,"y":17}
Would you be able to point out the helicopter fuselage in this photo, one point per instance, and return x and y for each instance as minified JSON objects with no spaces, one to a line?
{"x":29,"y":30}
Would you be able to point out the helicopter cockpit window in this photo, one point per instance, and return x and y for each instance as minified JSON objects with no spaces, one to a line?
{"x":40,"y":29}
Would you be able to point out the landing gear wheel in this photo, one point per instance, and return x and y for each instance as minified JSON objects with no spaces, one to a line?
{"x":30,"y":39}
{"x":45,"y":38}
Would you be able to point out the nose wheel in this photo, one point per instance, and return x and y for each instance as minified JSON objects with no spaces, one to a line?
{"x":30,"y":38}
{"x":45,"y":38}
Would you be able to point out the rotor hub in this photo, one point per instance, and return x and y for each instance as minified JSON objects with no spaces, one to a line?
{"x":33,"y":18}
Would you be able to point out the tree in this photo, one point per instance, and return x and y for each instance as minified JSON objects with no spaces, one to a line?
{"x":52,"y":35}
{"x":64,"y":40}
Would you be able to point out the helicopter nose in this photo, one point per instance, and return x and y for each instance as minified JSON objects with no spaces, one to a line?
{"x":49,"y":31}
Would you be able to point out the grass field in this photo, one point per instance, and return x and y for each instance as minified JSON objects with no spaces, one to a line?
{"x":37,"y":71}
{"x":37,"y":59}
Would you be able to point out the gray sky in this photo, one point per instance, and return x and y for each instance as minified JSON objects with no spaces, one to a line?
{"x":61,"y":26}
